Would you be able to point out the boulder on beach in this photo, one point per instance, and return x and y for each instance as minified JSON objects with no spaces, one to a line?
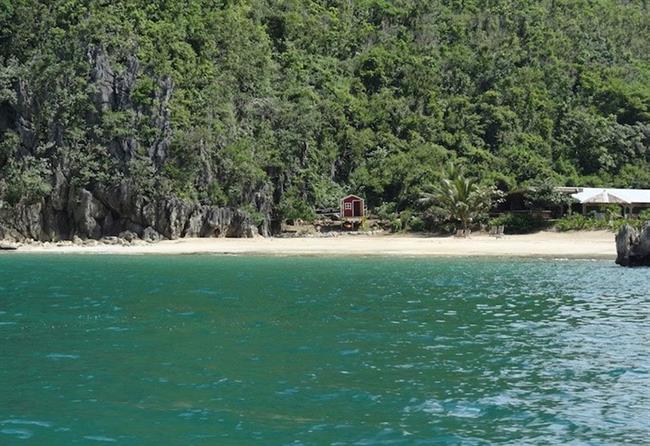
{"x":128,"y":236}
{"x":8,"y":246}
{"x":151,"y":235}
{"x":632,"y":246}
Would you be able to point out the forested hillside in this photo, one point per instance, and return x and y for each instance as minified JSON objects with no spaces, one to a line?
{"x":198,"y":117}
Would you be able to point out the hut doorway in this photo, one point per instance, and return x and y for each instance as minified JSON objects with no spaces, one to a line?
{"x":357,"y":208}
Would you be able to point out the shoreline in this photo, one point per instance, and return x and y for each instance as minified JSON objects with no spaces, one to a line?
{"x":569,"y":245}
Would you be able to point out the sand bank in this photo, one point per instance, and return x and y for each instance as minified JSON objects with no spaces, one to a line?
{"x":592,"y":244}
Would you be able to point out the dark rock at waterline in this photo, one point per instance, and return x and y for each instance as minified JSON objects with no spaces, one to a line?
{"x":632,"y":246}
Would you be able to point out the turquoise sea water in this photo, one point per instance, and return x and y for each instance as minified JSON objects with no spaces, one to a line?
{"x":215,"y":350}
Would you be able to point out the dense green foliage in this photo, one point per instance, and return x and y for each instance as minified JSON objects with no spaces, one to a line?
{"x":300,"y":101}
{"x":519,"y":223}
{"x":579,"y":222}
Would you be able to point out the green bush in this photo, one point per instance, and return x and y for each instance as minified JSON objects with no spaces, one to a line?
{"x":386,"y":211}
{"x":292,"y":207}
{"x":216,"y":194}
{"x":416,"y":224}
{"x":644,"y":215}
{"x":396,"y":225}
{"x":25,"y":181}
{"x":519,"y":223}
{"x":579,"y":222}
{"x":256,"y":217}
{"x":405,"y":218}
{"x":616,"y":224}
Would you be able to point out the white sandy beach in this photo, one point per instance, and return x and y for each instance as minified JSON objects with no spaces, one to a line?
{"x":591,"y":244}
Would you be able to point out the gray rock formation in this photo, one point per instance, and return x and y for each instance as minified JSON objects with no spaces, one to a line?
{"x":128,"y":236}
{"x":633,"y":247}
{"x":79,"y":213}
{"x":151,"y":235}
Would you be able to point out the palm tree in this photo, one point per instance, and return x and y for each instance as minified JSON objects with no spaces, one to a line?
{"x":459,"y":198}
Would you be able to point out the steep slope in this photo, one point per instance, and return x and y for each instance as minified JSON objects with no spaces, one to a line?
{"x":207,"y":118}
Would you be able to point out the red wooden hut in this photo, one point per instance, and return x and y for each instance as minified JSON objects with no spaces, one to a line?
{"x":352,"y":207}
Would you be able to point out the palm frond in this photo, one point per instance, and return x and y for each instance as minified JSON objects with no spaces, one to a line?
{"x":459,"y":198}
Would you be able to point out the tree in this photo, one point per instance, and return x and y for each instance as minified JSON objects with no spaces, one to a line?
{"x":461,"y":198}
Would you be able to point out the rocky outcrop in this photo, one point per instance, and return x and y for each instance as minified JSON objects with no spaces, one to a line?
{"x":151,"y":235}
{"x":21,"y":222}
{"x":633,"y":247}
{"x":86,"y":215}
{"x":8,"y":246}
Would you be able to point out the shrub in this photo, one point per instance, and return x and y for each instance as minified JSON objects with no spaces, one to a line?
{"x":644,"y":215}
{"x":444,"y":228}
{"x":416,"y":224}
{"x":293,"y":207}
{"x":519,"y":223}
{"x":216,"y":195}
{"x":25,"y":181}
{"x":396,"y":225}
{"x":386,"y":211}
{"x":578,"y":222}
{"x":405,"y":218}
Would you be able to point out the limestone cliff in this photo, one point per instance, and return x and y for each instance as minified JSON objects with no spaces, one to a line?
{"x":80,"y":213}
{"x":107,"y":183}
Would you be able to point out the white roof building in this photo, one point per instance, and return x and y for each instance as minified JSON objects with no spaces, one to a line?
{"x":630,"y":200}
{"x":607,"y":195}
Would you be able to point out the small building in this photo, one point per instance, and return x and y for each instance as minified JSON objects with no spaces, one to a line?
{"x":632,"y":201}
{"x":352,"y":207}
